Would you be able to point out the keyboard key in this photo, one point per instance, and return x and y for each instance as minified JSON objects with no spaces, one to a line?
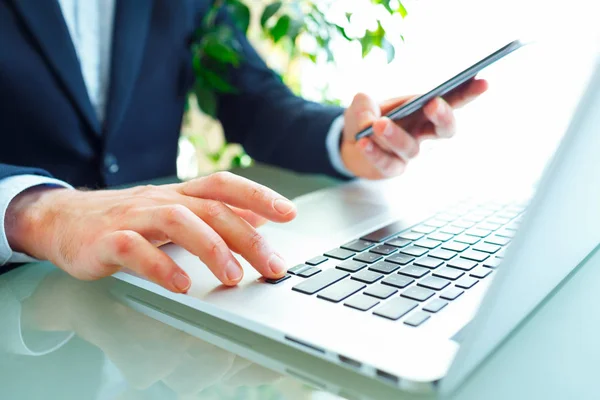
{"x":451,"y":294}
{"x":474,"y":217}
{"x":351,"y":266}
{"x":442,"y":237}
{"x":380,"y":291}
{"x":395,"y":308}
{"x":423,"y":229}
{"x":455,"y":246}
{"x":307,"y":273}
{"x":417,"y":293}
{"x":432,"y":282}
{"x":481,"y":233}
{"x":320,"y":281}
{"x":398,"y":242}
{"x":414,"y":251}
{"x":429,"y":262}
{"x":463,"y":224}
{"x":448,"y":273}
{"x":276,"y":281}
{"x":358,"y":245}
{"x":506,"y":233}
{"x":492,"y":262}
{"x":341,"y":290}
{"x":399,"y":281}
{"x":384,"y":267}
{"x":499,"y":240}
{"x":367,"y":276}
{"x":467,"y":282}
{"x":411,"y":236}
{"x":417,"y":318}
{"x":438,"y":223}
{"x":297,"y":269}
{"x":383,"y":249}
{"x":361,"y":302}
{"x":435,"y":305}
{"x":489,"y":226}
{"x":382,"y":234}
{"x":447,"y":217}
{"x":452,"y":230}
{"x":507,"y":214}
{"x":414,"y":271}
{"x":475,"y":255}
{"x":442,"y":254}
{"x":368,"y":258}
{"x":487,"y":247}
{"x":500,"y":254}
{"x":317,"y":260}
{"x":401,"y":259}
{"x":467,"y":239}
{"x":427,"y":243}
{"x":340,"y":254}
{"x":480,"y":272}
{"x":513,"y":226}
{"x":461,"y":263}
{"x":498,"y":220}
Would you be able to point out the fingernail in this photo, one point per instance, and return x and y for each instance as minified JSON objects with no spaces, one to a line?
{"x":369,"y":147}
{"x":233,"y":271}
{"x":276,"y":264}
{"x":181,"y":282}
{"x":283,"y":206}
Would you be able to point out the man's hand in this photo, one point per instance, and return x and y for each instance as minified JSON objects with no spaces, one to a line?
{"x":94,"y":234}
{"x":386,"y":153}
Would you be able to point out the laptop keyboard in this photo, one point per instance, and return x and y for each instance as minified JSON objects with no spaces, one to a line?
{"x":413,"y":274}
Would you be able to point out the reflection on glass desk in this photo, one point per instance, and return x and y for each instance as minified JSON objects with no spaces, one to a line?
{"x":61,"y":338}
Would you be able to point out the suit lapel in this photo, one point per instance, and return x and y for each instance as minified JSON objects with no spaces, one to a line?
{"x":46,"y":24}
{"x":132,"y":22}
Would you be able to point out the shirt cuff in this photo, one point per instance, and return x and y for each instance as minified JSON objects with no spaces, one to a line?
{"x":332,"y":143}
{"x":9,"y":189}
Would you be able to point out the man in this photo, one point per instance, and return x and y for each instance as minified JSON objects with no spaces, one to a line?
{"x":92,"y":94}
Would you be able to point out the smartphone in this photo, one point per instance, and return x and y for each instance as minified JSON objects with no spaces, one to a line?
{"x":419,"y":102}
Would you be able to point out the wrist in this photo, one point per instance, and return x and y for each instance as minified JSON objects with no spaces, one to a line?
{"x":29,"y":221}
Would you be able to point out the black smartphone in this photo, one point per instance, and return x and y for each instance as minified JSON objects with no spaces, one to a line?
{"x":419,"y":102}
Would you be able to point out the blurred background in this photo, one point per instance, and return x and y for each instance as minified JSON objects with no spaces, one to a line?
{"x":328,"y":50}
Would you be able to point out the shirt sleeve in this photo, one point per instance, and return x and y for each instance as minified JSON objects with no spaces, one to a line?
{"x":332,"y":143}
{"x":9,"y":189}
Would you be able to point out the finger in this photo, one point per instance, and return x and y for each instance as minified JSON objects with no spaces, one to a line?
{"x":249,"y":216}
{"x":129,"y":249}
{"x":387,"y":164}
{"x":241,"y":237}
{"x":390,"y":104}
{"x":395,"y":139}
{"x":441,"y":115}
{"x":183,"y":227}
{"x":243,"y":193}
{"x":362,"y":112}
{"x":466,"y":93}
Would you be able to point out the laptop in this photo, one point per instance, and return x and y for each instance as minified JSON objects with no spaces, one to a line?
{"x":415,"y":301}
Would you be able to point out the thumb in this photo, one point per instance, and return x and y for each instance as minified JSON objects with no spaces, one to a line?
{"x":361,"y":114}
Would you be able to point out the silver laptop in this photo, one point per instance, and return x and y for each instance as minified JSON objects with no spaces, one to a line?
{"x":414,"y":301}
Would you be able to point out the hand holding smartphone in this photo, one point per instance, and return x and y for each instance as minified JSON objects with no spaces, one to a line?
{"x":445,"y":88}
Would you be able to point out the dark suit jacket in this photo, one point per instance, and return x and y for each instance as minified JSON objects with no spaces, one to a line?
{"x":47,"y":121}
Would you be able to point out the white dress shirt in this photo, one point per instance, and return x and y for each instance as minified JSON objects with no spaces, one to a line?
{"x":90,"y":24}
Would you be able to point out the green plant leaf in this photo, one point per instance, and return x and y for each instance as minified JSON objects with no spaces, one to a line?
{"x":207,"y":100}
{"x":216,"y":82}
{"x":215,"y":47}
{"x":240,"y":14}
{"x":342,"y":31}
{"x":281,"y":28}
{"x":402,"y":10}
{"x":268,"y":12}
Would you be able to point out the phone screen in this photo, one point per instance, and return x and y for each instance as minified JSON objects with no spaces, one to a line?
{"x":419,"y":102}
